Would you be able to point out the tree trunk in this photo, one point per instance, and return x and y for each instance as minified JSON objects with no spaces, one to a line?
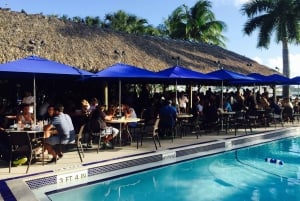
{"x":286,"y":67}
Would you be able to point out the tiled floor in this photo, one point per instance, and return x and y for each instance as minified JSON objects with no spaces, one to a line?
{"x":71,"y":160}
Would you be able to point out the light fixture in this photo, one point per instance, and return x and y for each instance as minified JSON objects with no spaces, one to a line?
{"x":177,"y":59}
{"x":121,"y":55}
{"x":218,"y":64}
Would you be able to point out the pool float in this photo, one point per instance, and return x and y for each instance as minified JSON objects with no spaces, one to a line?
{"x":273,"y":160}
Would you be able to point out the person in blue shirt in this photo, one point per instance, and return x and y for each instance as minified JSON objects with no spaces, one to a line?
{"x":167,"y":116}
{"x":227,"y":105}
{"x":60,"y":131}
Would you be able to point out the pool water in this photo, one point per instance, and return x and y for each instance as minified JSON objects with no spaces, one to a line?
{"x":236,"y":175}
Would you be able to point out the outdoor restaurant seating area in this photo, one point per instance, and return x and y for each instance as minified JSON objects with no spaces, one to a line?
{"x":119,"y":107}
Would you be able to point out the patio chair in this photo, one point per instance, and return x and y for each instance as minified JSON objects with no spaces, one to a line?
{"x":192,"y":124}
{"x":288,"y":114}
{"x":296,"y":114}
{"x":212,"y":121}
{"x":239,"y":120}
{"x":277,"y":117}
{"x":140,"y":128}
{"x":154,"y":134}
{"x":94,"y":128}
{"x":253,"y":117}
{"x":79,"y":138}
{"x":20,"y":145}
{"x":77,"y":144}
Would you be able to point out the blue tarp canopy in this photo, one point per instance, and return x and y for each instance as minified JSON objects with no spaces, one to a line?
{"x":295,"y":80}
{"x":124,"y":71}
{"x":263,"y":79}
{"x":37,"y":65}
{"x":279,"y":79}
{"x":230,"y":77}
{"x":180,"y":73}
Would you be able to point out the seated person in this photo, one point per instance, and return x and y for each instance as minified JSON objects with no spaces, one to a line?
{"x":275,"y":106}
{"x":264,"y":103}
{"x":108,"y":132}
{"x":167,"y":116}
{"x":211,"y":114}
{"x":129,"y":112}
{"x":227,"y":106}
{"x":50,"y":113}
{"x":25,"y":116}
{"x":59,"y":131}
{"x":85,"y":107}
{"x":93,"y":104}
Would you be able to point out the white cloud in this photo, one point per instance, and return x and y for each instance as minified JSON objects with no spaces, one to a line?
{"x":258,"y":59}
{"x":238,"y":3}
{"x":275,"y":62}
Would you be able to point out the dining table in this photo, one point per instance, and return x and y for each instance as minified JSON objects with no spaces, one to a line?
{"x":36,"y":135}
{"x":182,"y":120}
{"x":225,"y":119}
{"x":123,"y":121}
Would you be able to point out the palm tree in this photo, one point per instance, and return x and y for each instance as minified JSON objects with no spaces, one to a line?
{"x":197,"y":23}
{"x":274,"y":16}
{"x":121,"y":21}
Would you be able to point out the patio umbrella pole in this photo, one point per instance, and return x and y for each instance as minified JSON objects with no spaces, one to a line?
{"x":34,"y":103}
{"x":222,"y":126}
{"x":176,"y":100}
{"x":120,"y":110}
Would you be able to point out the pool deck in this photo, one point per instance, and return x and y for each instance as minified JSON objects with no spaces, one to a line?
{"x":71,"y":161}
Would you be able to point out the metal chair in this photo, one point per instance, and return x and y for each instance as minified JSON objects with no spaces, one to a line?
{"x":20,"y":145}
{"x":239,"y":120}
{"x":77,"y":143}
{"x":94,"y":127}
{"x":277,"y":117}
{"x":78,"y":140}
{"x":154,"y":134}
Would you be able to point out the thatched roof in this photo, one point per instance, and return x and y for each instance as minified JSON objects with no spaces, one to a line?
{"x":94,"y":48}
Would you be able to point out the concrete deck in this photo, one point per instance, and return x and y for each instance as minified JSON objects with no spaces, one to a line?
{"x":122,"y":160}
{"x":71,"y":160}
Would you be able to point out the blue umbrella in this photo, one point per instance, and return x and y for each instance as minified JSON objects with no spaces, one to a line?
{"x":229,"y":76}
{"x":181,"y":73}
{"x":279,"y":79}
{"x":125,"y":72}
{"x":295,"y":80}
{"x":36,"y":66}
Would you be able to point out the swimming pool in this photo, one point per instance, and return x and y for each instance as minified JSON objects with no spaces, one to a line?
{"x":242,"y":174}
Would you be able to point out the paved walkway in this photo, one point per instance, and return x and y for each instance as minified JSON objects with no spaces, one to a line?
{"x":71,"y":160}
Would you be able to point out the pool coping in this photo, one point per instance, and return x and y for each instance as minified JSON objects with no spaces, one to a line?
{"x":34,"y":187}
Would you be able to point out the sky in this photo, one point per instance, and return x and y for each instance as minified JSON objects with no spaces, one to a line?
{"x":156,"y":11}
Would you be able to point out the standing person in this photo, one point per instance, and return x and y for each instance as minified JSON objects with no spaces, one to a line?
{"x":59,"y":131}
{"x":183,"y":100}
{"x":28,"y":99}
